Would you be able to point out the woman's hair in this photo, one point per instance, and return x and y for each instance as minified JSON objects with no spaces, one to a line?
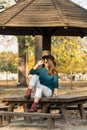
{"x":51,"y":64}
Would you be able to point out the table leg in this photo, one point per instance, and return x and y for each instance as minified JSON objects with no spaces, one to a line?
{"x":27,"y":119}
{"x":11,"y":108}
{"x":64,"y":113}
{"x":45,"y":109}
{"x":81,"y":110}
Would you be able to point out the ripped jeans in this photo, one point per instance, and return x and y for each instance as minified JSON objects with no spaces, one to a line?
{"x":40,"y":90}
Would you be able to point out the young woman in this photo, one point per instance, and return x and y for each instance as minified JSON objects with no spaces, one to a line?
{"x":44,"y":80}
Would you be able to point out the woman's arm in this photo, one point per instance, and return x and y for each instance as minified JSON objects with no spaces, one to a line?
{"x":36,"y":69}
{"x":56,"y":85}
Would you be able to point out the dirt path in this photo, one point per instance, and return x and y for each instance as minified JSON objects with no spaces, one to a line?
{"x":18,"y":124}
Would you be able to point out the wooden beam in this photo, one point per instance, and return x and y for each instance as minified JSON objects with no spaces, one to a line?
{"x":46,"y":42}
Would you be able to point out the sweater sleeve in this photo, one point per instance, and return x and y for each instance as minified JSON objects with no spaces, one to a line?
{"x":37,"y":71}
{"x":55,"y":80}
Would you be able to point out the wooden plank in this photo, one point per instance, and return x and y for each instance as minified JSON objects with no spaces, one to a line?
{"x":1,"y":120}
{"x":59,"y":98}
{"x":50,"y":117}
{"x":35,"y":114}
{"x":74,"y":107}
{"x":4,"y":108}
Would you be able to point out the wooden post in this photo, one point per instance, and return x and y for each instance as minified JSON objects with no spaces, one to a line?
{"x":51,"y":123}
{"x":46,"y":45}
{"x":1,"y":120}
{"x":26,"y":107}
{"x":81,"y":110}
{"x":64,"y":113}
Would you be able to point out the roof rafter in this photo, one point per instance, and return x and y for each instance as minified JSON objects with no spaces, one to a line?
{"x":60,"y":13}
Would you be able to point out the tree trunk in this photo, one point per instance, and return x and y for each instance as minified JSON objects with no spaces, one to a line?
{"x":38,"y":48}
{"x":22,"y":62}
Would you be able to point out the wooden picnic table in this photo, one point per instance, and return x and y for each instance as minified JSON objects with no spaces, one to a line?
{"x":60,"y":101}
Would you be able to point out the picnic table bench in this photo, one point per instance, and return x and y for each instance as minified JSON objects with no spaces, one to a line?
{"x":50,"y":117}
{"x":61,"y":101}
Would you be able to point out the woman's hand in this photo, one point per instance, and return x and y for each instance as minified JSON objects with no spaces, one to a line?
{"x":55,"y":94}
{"x":39,"y":63}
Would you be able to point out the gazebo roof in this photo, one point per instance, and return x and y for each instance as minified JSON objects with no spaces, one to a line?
{"x":39,"y":17}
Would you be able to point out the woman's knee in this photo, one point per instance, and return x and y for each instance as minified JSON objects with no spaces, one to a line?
{"x":38,"y":92}
{"x":47,"y":93}
{"x":34,"y":80}
{"x":35,"y":76}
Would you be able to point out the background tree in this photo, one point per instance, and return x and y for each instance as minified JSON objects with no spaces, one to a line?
{"x":70,"y":56}
{"x":22,"y":61}
{"x":68,"y":53}
{"x":38,"y":48}
{"x":7,"y":63}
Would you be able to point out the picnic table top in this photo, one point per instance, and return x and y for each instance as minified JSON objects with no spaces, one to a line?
{"x":60,"y":98}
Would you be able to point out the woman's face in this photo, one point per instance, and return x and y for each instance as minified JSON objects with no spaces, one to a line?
{"x":46,"y":63}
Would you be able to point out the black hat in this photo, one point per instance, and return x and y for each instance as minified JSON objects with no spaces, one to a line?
{"x":49,"y":57}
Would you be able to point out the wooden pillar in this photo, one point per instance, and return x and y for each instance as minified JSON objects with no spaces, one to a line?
{"x":46,"y":45}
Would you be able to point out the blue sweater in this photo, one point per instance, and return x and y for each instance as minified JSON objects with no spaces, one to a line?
{"x":46,"y":79}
